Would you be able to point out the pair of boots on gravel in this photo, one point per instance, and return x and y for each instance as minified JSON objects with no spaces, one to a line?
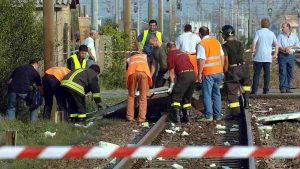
{"x":179,"y":115}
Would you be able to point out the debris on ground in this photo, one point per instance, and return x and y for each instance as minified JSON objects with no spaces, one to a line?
{"x":220,"y":127}
{"x":184,"y":133}
{"x":135,"y":131}
{"x":278,"y":117}
{"x":160,"y":159}
{"x":170,"y":131}
{"x":107,"y":144}
{"x":177,"y":166}
{"x":49,"y":134}
{"x":145,"y":125}
{"x":226,"y":143}
{"x":213,"y":165}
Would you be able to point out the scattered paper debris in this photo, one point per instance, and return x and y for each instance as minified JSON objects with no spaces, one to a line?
{"x":270,"y":109}
{"x":221,"y":132}
{"x":261,"y":111}
{"x":267,"y":136}
{"x":226,"y":167}
{"x":49,"y":134}
{"x":177,"y":166}
{"x":170,"y":131}
{"x":265,"y":127}
{"x":234,"y":129}
{"x":176,"y":128}
{"x":149,"y":158}
{"x":235,"y":126}
{"x":107,"y":144}
{"x":135,"y":131}
{"x":145,"y":125}
{"x":84,"y":126}
{"x":213,"y":165}
{"x":220,"y":127}
{"x":113,"y":161}
{"x":160,"y":159}
{"x":131,"y":145}
{"x":226,"y":143}
{"x":172,"y":124}
{"x":184,"y":133}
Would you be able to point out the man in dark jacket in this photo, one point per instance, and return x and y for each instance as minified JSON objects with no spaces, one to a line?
{"x":20,"y":82}
{"x":75,"y":86}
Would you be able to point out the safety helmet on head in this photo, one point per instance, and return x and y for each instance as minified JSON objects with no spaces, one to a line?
{"x":228,"y":30}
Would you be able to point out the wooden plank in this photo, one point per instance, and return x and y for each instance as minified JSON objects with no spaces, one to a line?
{"x":11,"y":138}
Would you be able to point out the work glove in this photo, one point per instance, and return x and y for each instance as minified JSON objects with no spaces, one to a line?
{"x":171,"y":87}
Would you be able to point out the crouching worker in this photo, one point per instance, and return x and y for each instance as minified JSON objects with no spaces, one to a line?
{"x":182,"y":90}
{"x":19,"y":84}
{"x":75,"y":86}
{"x":51,"y":83}
{"x":138,"y":73}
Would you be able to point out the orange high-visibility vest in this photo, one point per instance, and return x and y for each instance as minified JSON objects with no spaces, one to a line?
{"x":138,"y":63}
{"x":58,"y":72}
{"x":213,"y":62}
{"x":193,"y":60}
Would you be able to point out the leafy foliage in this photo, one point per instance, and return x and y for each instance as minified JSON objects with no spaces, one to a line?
{"x":21,"y":36}
{"x":114,"y":73}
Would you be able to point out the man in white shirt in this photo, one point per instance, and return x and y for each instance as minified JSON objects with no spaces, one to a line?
{"x":90,"y":43}
{"x":262,"y":55}
{"x":187,"y":43}
{"x":288,"y":42}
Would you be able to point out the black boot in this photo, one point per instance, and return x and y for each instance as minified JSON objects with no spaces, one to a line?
{"x":186,"y":115}
{"x":176,"y":114}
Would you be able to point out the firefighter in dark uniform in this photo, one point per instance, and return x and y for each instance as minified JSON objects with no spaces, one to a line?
{"x":182,"y":89}
{"x":75,"y":86}
{"x":236,"y":71}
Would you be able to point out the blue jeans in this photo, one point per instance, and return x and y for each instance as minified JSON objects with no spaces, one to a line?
{"x":257,"y":66}
{"x":286,"y":67}
{"x":12,"y":104}
{"x":211,"y":95}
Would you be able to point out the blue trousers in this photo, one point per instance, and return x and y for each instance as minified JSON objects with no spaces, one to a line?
{"x":286,"y":68}
{"x":12,"y":104}
{"x":212,"y":95}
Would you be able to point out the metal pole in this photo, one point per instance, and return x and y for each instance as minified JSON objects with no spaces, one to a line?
{"x":170,"y":20}
{"x":138,"y":19}
{"x":150,"y":9}
{"x":232,"y":11}
{"x":117,"y":9}
{"x":161,"y":15}
{"x":84,"y":11}
{"x":237,"y":20}
{"x":220,"y":23}
{"x":94,"y":15}
{"x":127,"y":15}
{"x":48,"y":13}
{"x":250,"y":19}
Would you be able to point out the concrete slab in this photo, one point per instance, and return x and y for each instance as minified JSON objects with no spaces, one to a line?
{"x":278,"y":117}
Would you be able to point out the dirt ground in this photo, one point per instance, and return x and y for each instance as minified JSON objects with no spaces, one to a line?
{"x":281,"y":134}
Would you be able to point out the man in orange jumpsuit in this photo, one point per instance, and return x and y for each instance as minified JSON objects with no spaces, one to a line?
{"x":138,"y":72}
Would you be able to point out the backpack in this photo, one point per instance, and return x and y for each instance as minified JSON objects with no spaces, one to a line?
{"x":34,"y":99}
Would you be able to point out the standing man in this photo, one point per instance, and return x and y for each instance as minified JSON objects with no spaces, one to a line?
{"x":210,"y":61}
{"x":75,"y":86}
{"x":181,"y":68}
{"x":144,"y":38}
{"x":160,"y":57}
{"x":262,"y":54}
{"x":138,"y":73}
{"x":288,"y":42}
{"x":19,"y":85}
{"x":91,"y":57}
{"x":236,"y":70}
{"x":77,"y":60}
{"x":51,"y":85}
{"x":187,"y":43}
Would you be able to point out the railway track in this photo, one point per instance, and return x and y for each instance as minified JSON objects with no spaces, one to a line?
{"x":158,"y":136}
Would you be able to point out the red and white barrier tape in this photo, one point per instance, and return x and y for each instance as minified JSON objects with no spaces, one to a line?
{"x":64,"y":152}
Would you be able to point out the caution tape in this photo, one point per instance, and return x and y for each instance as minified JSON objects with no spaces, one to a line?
{"x":81,"y":152}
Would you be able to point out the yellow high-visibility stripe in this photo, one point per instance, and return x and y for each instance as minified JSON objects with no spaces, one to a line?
{"x":73,"y":86}
{"x":246,"y":88}
{"x":234,"y":105}
{"x":187,"y":105}
{"x":175,"y":104}
{"x":73,"y":115}
{"x":95,"y":95}
{"x":82,"y":116}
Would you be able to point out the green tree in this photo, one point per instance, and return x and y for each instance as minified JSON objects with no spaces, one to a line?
{"x":21,"y":37}
{"x":114,"y":73}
